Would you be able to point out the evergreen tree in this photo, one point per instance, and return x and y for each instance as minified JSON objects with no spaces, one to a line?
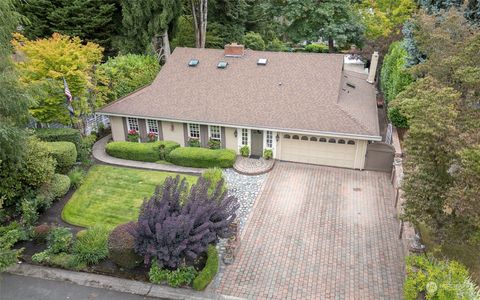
{"x":147,"y":24}
{"x":13,"y":100}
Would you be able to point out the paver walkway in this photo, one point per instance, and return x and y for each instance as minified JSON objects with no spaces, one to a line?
{"x":99,"y":154}
{"x":319,"y":233}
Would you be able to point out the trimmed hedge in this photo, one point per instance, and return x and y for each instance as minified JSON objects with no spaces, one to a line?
{"x":149,"y":152}
{"x":60,"y":135}
{"x":59,"y":186}
{"x":209,"y":271}
{"x":65,"y":153}
{"x":202,"y":157}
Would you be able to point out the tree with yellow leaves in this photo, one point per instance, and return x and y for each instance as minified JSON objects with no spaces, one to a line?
{"x":44,"y":63}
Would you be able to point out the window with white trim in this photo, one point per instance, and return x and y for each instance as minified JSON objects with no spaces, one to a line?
{"x":215,"y":133}
{"x":152,"y":128}
{"x":132,"y":124}
{"x":269,"y":139}
{"x":193,"y":131}
{"x":244,"y":136}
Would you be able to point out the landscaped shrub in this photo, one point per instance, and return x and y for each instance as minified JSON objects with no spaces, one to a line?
{"x":267,"y":154}
{"x":59,"y":239}
{"x":202,"y":157}
{"x":394,"y":75}
{"x":150,"y":152}
{"x":209,"y":271}
{"x":396,"y":117}
{"x":121,"y":246}
{"x":65,"y":154}
{"x":437,"y":279}
{"x":62,"y":259}
{"x":175,"y":226}
{"x":245,"y":151}
{"x":179,"y":277}
{"x":85,"y":149}
{"x":9,"y":236}
{"x":214,"y":176}
{"x":29,"y":212}
{"x":59,"y":186}
{"x":40,"y":233}
{"x":91,"y":247}
{"x":77,"y":176}
{"x":214,"y":144}
{"x":316,"y":48}
{"x":193,"y":142}
{"x":60,"y":135}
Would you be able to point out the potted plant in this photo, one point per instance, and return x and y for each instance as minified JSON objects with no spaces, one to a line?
{"x":133,"y":136}
{"x":267,"y":154}
{"x":245,"y":151}
{"x":152,"y":136}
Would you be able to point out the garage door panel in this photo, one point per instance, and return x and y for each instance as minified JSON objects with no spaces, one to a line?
{"x":321,"y":153}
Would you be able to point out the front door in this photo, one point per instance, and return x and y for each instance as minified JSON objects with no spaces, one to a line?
{"x":257,"y":143}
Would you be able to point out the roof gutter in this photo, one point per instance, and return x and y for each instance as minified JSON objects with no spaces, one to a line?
{"x":297,"y":131}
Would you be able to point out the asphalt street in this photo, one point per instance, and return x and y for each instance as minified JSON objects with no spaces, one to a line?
{"x":14,"y":287}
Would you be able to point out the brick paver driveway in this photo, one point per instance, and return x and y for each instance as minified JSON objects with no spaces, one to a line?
{"x":319,"y":233}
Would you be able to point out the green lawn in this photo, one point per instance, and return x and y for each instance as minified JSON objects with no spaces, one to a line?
{"x":112,"y":195}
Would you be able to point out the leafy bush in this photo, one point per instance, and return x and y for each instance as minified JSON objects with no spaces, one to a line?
{"x":254,"y":41}
{"x":202,"y":157}
{"x":209,"y":271}
{"x":91,"y":247}
{"x":40,"y":233}
{"x":179,"y":277}
{"x":316,"y":48}
{"x":150,"y":152}
{"x":17,"y":181}
{"x":176,"y":224}
{"x":60,"y":135}
{"x":65,"y":154}
{"x":394,"y":75}
{"x":29,"y":212}
{"x":63,"y":260}
{"x":437,"y":279}
{"x":214,"y":176}
{"x":85,"y":149}
{"x":59,"y":239}
{"x":77,"y":176}
{"x":59,"y":186}
{"x":396,"y":117}
{"x":193,"y":142}
{"x":277,"y":45}
{"x":121,"y":246}
{"x":9,"y":236}
{"x":245,"y":151}
{"x":214,"y":144}
{"x":267,"y":154}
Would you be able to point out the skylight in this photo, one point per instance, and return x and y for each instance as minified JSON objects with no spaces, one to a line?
{"x":193,"y":62}
{"x":262,"y":61}
{"x":222,"y":64}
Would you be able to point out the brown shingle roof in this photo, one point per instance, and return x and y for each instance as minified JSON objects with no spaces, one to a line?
{"x":294,"y":91}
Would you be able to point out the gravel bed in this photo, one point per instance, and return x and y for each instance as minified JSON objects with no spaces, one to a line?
{"x":246,"y":189}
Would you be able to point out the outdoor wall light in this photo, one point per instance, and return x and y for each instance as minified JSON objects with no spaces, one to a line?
{"x":235,"y":133}
{"x":277,"y":137}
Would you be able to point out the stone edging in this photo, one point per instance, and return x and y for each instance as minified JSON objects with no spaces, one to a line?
{"x":112,"y":283}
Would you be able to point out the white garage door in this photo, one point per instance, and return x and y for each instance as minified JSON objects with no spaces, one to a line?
{"x":318,"y":150}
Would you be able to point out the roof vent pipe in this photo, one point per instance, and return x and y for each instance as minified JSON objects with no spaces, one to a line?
{"x":373,"y":68}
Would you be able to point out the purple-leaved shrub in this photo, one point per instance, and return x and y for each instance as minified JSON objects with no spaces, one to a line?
{"x":177,"y":224}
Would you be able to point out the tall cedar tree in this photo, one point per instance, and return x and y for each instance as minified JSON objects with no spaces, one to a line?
{"x":147,"y":24}
{"x":177,"y":224}
{"x":13,"y":100}
{"x":95,"y":21}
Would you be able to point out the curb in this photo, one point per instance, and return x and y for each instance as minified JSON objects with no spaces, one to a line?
{"x":112,"y":283}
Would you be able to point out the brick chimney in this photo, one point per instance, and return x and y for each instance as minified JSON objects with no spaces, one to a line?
{"x":234,"y":50}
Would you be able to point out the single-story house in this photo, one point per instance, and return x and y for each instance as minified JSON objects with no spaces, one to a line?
{"x":305,"y":107}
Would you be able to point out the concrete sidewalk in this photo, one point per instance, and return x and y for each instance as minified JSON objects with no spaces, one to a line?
{"x":96,"y":281}
{"x":99,"y":154}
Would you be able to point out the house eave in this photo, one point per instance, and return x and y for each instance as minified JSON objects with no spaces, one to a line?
{"x":277,"y":129}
